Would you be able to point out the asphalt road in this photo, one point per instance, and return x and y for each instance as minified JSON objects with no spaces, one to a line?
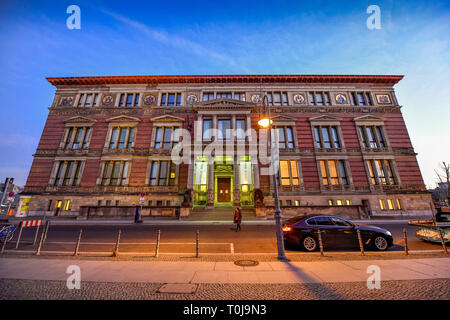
{"x":180,"y":239}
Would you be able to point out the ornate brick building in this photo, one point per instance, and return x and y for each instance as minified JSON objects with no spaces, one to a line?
{"x":343,"y":145}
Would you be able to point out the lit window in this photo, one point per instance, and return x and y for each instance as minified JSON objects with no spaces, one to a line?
{"x":382,"y":205}
{"x":289,"y":173}
{"x":390,"y":203}
{"x":339,"y":202}
{"x":333,"y":172}
{"x":399,"y":205}
{"x":297,"y":203}
{"x":330,"y":202}
{"x":348,"y":202}
{"x":381,"y":172}
{"x":67,"y":205}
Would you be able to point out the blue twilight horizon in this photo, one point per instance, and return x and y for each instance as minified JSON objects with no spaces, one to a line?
{"x":233,"y":37}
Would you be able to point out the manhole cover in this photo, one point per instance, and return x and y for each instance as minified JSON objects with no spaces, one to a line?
{"x":246,"y":263}
{"x":178,"y":288}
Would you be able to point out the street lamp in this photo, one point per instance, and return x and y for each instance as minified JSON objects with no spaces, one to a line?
{"x":266,"y":122}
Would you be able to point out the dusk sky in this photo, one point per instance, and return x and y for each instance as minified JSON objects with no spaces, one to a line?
{"x":223,"y":37}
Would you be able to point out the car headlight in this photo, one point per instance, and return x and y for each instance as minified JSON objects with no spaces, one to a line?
{"x":388,"y":233}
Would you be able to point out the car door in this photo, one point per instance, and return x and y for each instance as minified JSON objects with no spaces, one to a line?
{"x":327,"y":228}
{"x":344,"y":233}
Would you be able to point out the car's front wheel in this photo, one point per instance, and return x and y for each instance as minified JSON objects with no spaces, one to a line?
{"x":309,"y":243}
{"x":380,"y":243}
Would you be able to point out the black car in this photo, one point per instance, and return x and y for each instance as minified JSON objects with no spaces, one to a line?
{"x":335,"y":231}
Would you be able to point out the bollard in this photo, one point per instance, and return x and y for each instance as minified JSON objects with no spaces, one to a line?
{"x":444,"y":247}
{"x":360,"y":242}
{"x":197,"y":242}
{"x":36,"y":235}
{"x":20,"y":236}
{"x":320,"y":242}
{"x":405,"y":239}
{"x":47,"y":224}
{"x":158,"y":238}
{"x":116,"y":249}
{"x":38,"y":250}
{"x":4,"y":242}
{"x":77,"y":246}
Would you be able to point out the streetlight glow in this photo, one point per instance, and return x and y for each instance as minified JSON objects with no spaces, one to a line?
{"x":264,"y":122}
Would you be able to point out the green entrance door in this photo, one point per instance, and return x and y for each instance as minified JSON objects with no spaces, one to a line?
{"x":223,"y":189}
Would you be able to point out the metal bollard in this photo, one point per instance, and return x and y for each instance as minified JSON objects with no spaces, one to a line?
{"x":197,"y":242}
{"x":47,"y":225}
{"x":158,"y":238}
{"x":405,"y":239}
{"x":4,"y":242}
{"x":38,"y":250}
{"x":36,"y":235}
{"x":360,"y":242}
{"x":77,"y":246}
{"x":116,"y":249}
{"x":444,"y":247}
{"x":320,"y":242}
{"x":20,"y":236}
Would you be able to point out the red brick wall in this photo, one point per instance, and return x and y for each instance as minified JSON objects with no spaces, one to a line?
{"x":40,"y":172}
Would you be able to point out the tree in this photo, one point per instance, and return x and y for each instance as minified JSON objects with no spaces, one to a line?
{"x":444,"y":178}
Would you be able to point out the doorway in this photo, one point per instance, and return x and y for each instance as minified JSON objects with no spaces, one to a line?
{"x":223,"y":189}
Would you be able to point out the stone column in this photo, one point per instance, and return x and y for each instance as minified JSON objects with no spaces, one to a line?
{"x":236,"y":190}
{"x":210,"y":194}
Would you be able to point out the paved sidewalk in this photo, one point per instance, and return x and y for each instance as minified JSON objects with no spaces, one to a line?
{"x":195,"y":272}
{"x":118,"y":222}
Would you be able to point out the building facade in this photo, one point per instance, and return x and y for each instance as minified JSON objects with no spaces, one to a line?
{"x":342,"y":141}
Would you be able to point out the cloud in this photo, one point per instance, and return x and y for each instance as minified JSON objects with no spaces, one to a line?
{"x":171,"y":40}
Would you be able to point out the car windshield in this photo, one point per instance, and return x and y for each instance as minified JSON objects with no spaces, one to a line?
{"x":340,"y":222}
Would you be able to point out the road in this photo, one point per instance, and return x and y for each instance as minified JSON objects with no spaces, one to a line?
{"x":180,"y":239}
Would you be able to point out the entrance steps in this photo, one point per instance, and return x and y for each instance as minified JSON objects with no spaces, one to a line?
{"x":220,"y":214}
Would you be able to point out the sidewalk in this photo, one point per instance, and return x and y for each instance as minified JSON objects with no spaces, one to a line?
{"x":194,"y":272}
{"x":118,"y":222}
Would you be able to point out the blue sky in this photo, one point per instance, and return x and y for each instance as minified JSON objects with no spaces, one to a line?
{"x":223,"y":37}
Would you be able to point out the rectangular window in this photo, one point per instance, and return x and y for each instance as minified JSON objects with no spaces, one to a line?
{"x":164,"y":137}
{"x":77,"y":138}
{"x":223,"y":95}
{"x":339,"y":202}
{"x":80,"y":102}
{"x":326,"y":137}
{"x":382,"y":205}
{"x":68,"y":171}
{"x":399,"y":205}
{"x":239,"y":96}
{"x":348,"y":202}
{"x":207,"y":130}
{"x":285,"y":137}
{"x":333,"y":172}
{"x":88,"y":100}
{"x":372,"y":136}
{"x":115,"y":173}
{"x":390,"y":203}
{"x":162,"y":173}
{"x":277,"y":98}
{"x":319,"y":98}
{"x":361,"y":99}
{"x":289,"y":173}
{"x":67,"y":175}
{"x":224,"y":129}
{"x":240,"y":129}
{"x":58,"y":173}
{"x":297,"y":203}
{"x":129,"y":100}
{"x":67,"y":205}
{"x":207,"y":96}
{"x":381,"y":172}
{"x":171,"y":99}
{"x":121,"y":138}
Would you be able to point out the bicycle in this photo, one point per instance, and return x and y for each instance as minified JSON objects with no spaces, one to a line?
{"x":7,"y":233}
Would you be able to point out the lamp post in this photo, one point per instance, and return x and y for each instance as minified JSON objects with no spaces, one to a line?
{"x":266,"y":122}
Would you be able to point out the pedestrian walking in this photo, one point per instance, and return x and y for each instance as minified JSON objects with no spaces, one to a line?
{"x":237,"y":218}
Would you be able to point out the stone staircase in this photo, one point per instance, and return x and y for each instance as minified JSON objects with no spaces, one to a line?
{"x":220,"y":214}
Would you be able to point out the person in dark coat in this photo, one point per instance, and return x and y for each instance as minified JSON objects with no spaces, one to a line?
{"x":237,"y":218}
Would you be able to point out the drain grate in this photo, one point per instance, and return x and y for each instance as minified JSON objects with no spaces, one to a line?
{"x":178,"y":288}
{"x":246,"y":263}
